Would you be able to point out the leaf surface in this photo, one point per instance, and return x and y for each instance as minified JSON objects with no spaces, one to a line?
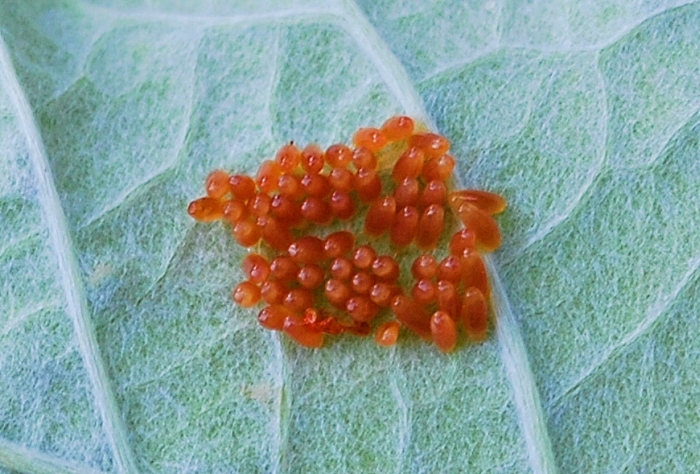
{"x":120,"y":349}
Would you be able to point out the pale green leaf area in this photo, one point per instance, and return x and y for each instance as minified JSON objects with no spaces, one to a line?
{"x":120,"y":348}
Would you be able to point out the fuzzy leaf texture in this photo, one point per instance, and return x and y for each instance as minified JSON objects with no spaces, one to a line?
{"x":120,"y":348}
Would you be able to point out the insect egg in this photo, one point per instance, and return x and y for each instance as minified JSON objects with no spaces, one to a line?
{"x":450,"y":269}
{"x":273,"y":317}
{"x":363,"y":158}
{"x":290,"y":186}
{"x":462,"y":240}
{"x":406,"y":192}
{"x":316,"y":185}
{"x":409,"y":165}
{"x":307,"y":249}
{"x":273,"y":292}
{"x":387,"y":334}
{"x":435,"y":192}
{"x":371,"y":138}
{"x":316,"y":210}
{"x":298,"y":299}
{"x":242,"y":186}
{"x":380,"y":216}
{"x":448,"y":299}
{"x":475,"y":314}
{"x":432,"y":144}
{"x":302,"y":334}
{"x":341,"y":179}
{"x":382,"y":293}
{"x":338,"y":243}
{"x":473,"y":272}
{"x":337,"y":292}
{"x":482,"y":224}
{"x":286,"y":210}
{"x":256,"y":267}
{"x":385,"y":268}
{"x":268,"y":176}
{"x":283,"y":268}
{"x":438,"y":169}
{"x":424,"y":292}
{"x":444,"y":331}
{"x":246,"y":294}
{"x":259,"y":205}
{"x":412,"y":315}
{"x":288,"y":157}
{"x":338,"y":155}
{"x":217,"y":184}
{"x":206,"y":209}
{"x":246,"y":233}
{"x":342,"y":205}
{"x":367,"y":184}
{"x":430,"y":226}
{"x":363,"y":256}
{"x":425,"y":266}
{"x":361,"y":282}
{"x":398,"y":128}
{"x":488,"y":202}
{"x":405,"y":226}
{"x":361,"y":308}
{"x":234,"y":211}
{"x":312,"y":160}
{"x":311,"y":276}
{"x":341,"y":268}
{"x":275,"y":234}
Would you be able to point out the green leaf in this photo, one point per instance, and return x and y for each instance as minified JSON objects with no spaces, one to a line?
{"x":120,"y":349}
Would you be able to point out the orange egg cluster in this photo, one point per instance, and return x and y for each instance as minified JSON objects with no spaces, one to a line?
{"x":397,"y":179}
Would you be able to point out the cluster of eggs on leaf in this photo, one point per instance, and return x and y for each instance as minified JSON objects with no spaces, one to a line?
{"x":315,"y":220}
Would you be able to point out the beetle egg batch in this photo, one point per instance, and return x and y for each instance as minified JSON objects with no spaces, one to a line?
{"x":351,"y":240}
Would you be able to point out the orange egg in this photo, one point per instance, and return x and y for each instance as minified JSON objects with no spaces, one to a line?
{"x":475,"y":314}
{"x":288,"y":157}
{"x":273,"y":317}
{"x":491,"y":203}
{"x":387,"y":334}
{"x":361,"y":308}
{"x":363,"y":158}
{"x":398,"y":128}
{"x":338,"y":243}
{"x":409,"y":165}
{"x":312,"y":159}
{"x":438,"y":169}
{"x":342,"y":205}
{"x":386,"y":268}
{"x":367,"y":184}
{"x":406,"y":192}
{"x":380,"y":216}
{"x":430,"y":226}
{"x":242,"y":186}
{"x":412,"y":315}
{"x":444,"y":331}
{"x":424,"y":266}
{"x":432,"y":144}
{"x":302,"y":334}
{"x":338,"y":155}
{"x":246,"y":294}
{"x":206,"y":209}
{"x":307,"y":249}
{"x":268,"y":176}
{"x":217,"y":184}
{"x":488,"y":236}
{"x":371,"y":138}
{"x":405,"y":226}
{"x":337,"y":292}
